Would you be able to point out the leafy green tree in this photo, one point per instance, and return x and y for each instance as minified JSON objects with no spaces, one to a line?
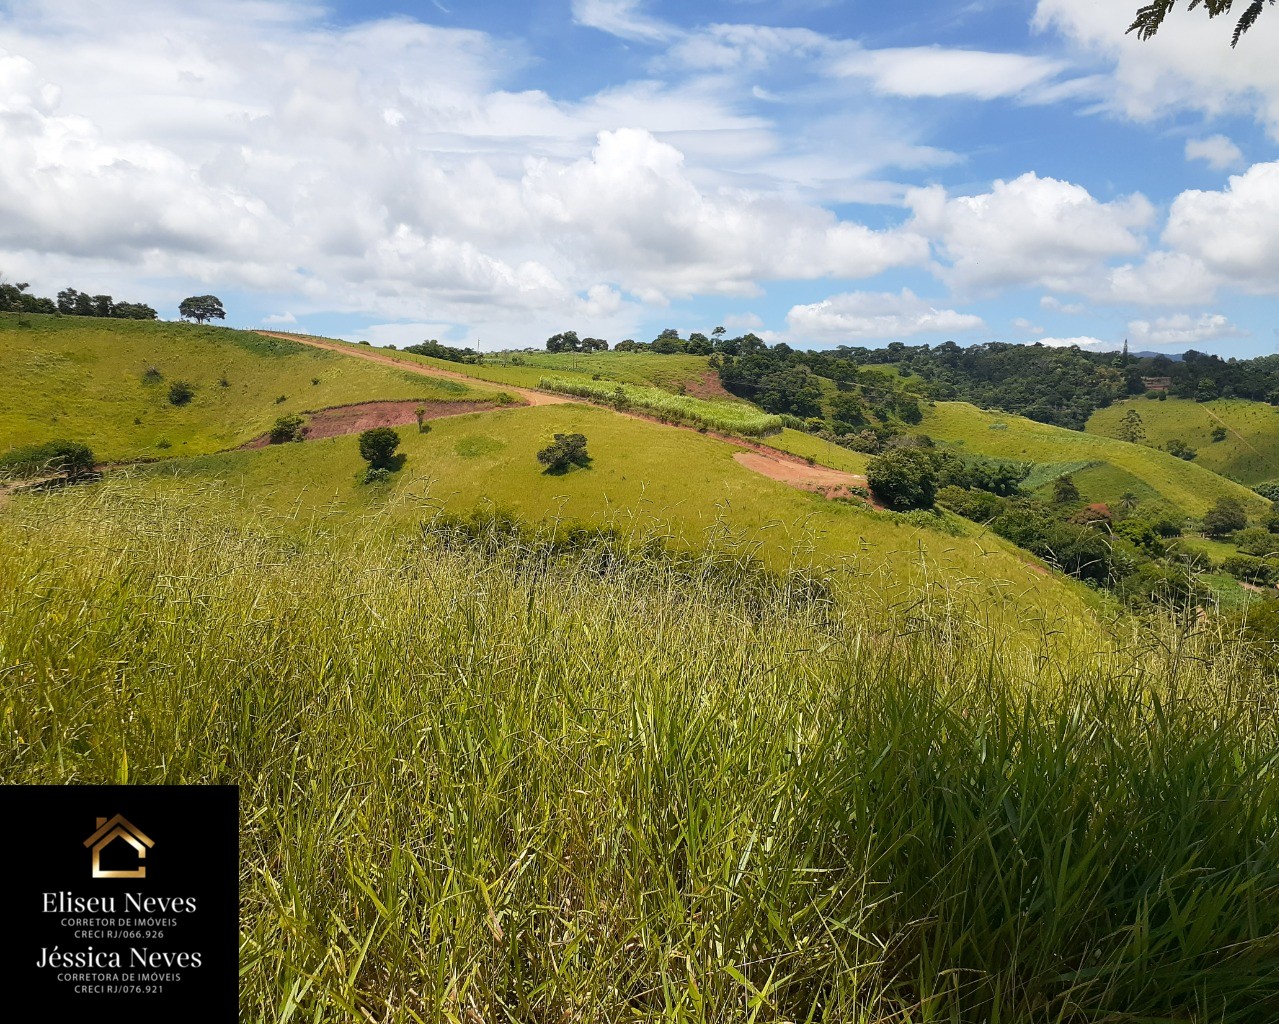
{"x":565,"y":341}
{"x":1179,"y":448}
{"x":1225,"y":517}
{"x":1131,"y":428}
{"x":668,"y":342}
{"x":377,"y":447}
{"x":1065,"y":491}
{"x":564,"y":452}
{"x":1218,"y":434}
{"x":903,"y":478}
{"x":1151,"y":16}
{"x":1206,"y":390}
{"x":201,"y":308}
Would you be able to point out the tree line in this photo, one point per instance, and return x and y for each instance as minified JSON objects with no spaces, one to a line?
{"x":15,"y":298}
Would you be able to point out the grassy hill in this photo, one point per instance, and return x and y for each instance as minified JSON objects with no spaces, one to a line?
{"x":526,"y":369}
{"x":1102,"y":467}
{"x":788,"y":759}
{"x":646,"y":479}
{"x":85,"y":379}
{"x":1249,"y":453}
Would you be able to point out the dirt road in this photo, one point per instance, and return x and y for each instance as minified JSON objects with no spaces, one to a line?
{"x":830,"y":483}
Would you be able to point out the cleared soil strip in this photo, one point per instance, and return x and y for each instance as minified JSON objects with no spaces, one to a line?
{"x":528,"y":394}
{"x":353,"y":419}
{"x":829,"y":483}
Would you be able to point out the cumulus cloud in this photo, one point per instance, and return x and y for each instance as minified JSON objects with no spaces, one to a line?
{"x":1216,"y":150}
{"x":383,"y":168}
{"x":279,"y":318}
{"x":1181,"y":330}
{"x":1234,"y":232}
{"x":856,"y":316}
{"x":1030,"y":230}
{"x":1027,"y":326}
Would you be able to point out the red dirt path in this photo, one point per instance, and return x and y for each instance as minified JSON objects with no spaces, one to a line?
{"x":829,"y":483}
{"x":353,"y":419}
{"x":528,"y":394}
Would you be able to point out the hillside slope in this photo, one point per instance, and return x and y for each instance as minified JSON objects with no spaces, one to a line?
{"x":1103,"y":468}
{"x":1249,"y":452}
{"x":85,"y":379}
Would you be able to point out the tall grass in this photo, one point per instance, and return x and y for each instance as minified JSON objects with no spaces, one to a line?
{"x":730,"y":417}
{"x":490,"y":775}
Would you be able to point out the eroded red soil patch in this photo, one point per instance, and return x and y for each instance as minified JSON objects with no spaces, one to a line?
{"x":353,"y":419}
{"x":707,"y":386}
{"x":829,"y":483}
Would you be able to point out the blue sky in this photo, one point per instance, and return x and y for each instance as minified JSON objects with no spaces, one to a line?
{"x":491,"y":173}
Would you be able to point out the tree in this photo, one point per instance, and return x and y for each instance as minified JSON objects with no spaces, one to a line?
{"x":1226,"y":516}
{"x":1179,"y":448}
{"x":1065,"y":492}
{"x":565,"y":341}
{"x":566,"y":451}
{"x":903,"y":478}
{"x":377,"y":447}
{"x":286,"y":428}
{"x":1131,"y":428}
{"x":201,"y":308}
{"x":1150,"y":17}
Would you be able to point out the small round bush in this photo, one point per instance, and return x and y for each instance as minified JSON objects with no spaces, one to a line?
{"x":377,"y":446}
{"x":287,"y":428}
{"x":376,"y":475}
{"x":180,"y":392}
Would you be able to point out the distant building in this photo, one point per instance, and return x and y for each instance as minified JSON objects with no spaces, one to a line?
{"x":1156,"y":383}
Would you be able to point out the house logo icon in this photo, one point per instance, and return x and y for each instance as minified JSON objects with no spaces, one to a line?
{"x":108,"y":831}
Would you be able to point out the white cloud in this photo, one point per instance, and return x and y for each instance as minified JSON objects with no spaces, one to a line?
{"x":1055,"y":305}
{"x":1161,"y":279}
{"x":743,"y":322}
{"x":1189,"y":65}
{"x":1216,"y":150}
{"x":382,"y":168}
{"x":1030,"y":230}
{"x":279,"y":318}
{"x":856,"y":316}
{"x":1084,"y":342}
{"x":1027,"y":326}
{"x":622,"y":18}
{"x":1180,"y":330}
{"x":1234,"y":233}
{"x":937,"y":71}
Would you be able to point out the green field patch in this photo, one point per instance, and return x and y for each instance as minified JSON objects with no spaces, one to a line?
{"x":729,"y":417}
{"x":476,"y":445}
{"x":1181,"y":484}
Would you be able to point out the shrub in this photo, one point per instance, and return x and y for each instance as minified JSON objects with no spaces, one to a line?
{"x":377,"y":475}
{"x":223,"y":382}
{"x":377,"y":447}
{"x":1260,"y":571}
{"x":180,"y":392}
{"x":565,"y":451}
{"x":1218,"y":433}
{"x":280,"y":400}
{"x":1065,"y":491}
{"x":70,"y":458}
{"x":152,"y":375}
{"x":287,"y":428}
{"x":1256,"y":541}
{"x":903,"y":479}
{"x":979,"y":506}
{"x":1179,"y":448}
